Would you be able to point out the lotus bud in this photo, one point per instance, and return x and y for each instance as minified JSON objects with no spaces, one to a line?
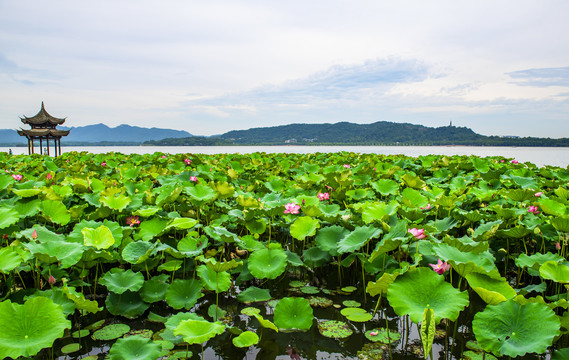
{"x":51,"y":280}
{"x":34,"y":234}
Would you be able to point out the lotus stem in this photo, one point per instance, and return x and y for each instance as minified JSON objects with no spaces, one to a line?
{"x":364,"y":280}
{"x":377,"y":304}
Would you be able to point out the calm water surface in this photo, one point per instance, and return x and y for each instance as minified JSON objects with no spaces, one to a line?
{"x":540,"y":156}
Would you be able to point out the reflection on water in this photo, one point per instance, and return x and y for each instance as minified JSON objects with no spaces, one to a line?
{"x":540,"y":156}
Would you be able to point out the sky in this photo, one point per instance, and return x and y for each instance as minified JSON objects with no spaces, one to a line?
{"x":208,"y":67}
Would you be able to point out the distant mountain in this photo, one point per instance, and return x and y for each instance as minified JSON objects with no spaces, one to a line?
{"x":102,"y":133}
{"x":381,"y":132}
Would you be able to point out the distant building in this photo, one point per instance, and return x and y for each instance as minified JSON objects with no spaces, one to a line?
{"x":510,"y":136}
{"x":290,"y":141}
{"x":43,"y":128}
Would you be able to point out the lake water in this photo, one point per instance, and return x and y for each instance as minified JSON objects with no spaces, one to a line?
{"x":540,"y":156}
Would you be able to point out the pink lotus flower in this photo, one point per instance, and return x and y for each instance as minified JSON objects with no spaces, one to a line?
{"x":417,"y":233}
{"x":48,"y":176}
{"x":187,"y":161}
{"x":533,"y":209}
{"x":51,"y":280}
{"x":194,"y":178}
{"x":34,"y":234}
{"x":538,"y":194}
{"x":104,"y":163}
{"x":347,"y":166}
{"x":323,"y":196}
{"x":514,"y":161}
{"x":132,"y":220}
{"x":428,"y":207}
{"x":441,"y":267}
{"x":291,"y":208}
{"x":558,"y":245}
{"x":17,"y":177}
{"x":163,"y":156}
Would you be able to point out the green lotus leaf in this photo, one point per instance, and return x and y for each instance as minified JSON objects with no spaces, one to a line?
{"x":10,"y":259}
{"x":552,"y":207}
{"x":79,"y":299}
{"x":220,"y":234}
{"x":428,"y":331}
{"x":349,"y":289}
{"x":111,"y":332}
{"x":154,"y":290}
{"x":80,"y":333}
{"x":215,"y":312}
{"x":385,"y":187}
{"x":55,"y":211}
{"x":150,"y":228}
{"x":137,"y":252}
{"x":334,"y":329}
{"x":254,"y":294}
{"x":119,"y":280}
{"x":391,"y":240}
{"x":99,"y":238}
{"x":27,"y":208}
{"x":212,"y":280}
{"x":314,"y":257}
{"x":171,"y":265}
{"x":304,"y":226}
{"x":173,"y":322}
{"x":382,"y":335}
{"x":128,"y":304}
{"x":413,"y":198}
{"x":146,"y":211}
{"x":327,"y":238}
{"x":192,"y":246}
{"x":28,"y":328}
{"x":70,"y":348}
{"x":309,"y":290}
{"x":514,"y":330}
{"x":8,"y":216}
{"x":292,"y":313}
{"x":351,"y":303}
{"x":460,"y":260}
{"x":245,"y":339}
{"x":250,"y":311}
{"x":561,"y":354}
{"x":198,"y":332}
{"x":59,"y":298}
{"x":201,"y":193}
{"x":376,"y":212}
{"x":256,"y":226}
{"x":296,"y":283}
{"x":486,"y":231}
{"x":423,"y":288}
{"x":551,"y":270}
{"x":116,"y":202}
{"x":181,"y":223}
{"x":560,"y":223}
{"x":356,"y":314}
{"x":357,"y":238}
{"x":319,"y":301}
{"x":491,"y":288}
{"x":224,"y":189}
{"x":219,"y":266}
{"x":329,"y":212}
{"x":184,"y":293}
{"x":68,"y":254}
{"x":267,"y":263}
{"x":135,"y":347}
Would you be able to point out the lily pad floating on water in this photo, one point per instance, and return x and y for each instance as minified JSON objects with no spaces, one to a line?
{"x":198,"y":331}
{"x":119,"y":280}
{"x":110,"y":332}
{"x":267,"y":263}
{"x":296,"y":283}
{"x":522,"y":329}
{"x":349,"y":289}
{"x":254,"y":294}
{"x":351,"y":303}
{"x":371,"y":351}
{"x":382,"y":335}
{"x":320,"y":301}
{"x":154,"y":290}
{"x":70,"y":348}
{"x":184,"y":293}
{"x":246,"y":339}
{"x":28,"y":328}
{"x":134,"y":347}
{"x":334,"y":329}
{"x":356,"y":314}
{"x":309,"y":290}
{"x":129,"y":304}
{"x":80,"y":333}
{"x":292,"y":313}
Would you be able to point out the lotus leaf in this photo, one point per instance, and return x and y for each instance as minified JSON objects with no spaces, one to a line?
{"x":212,"y":280}
{"x":296,"y":283}
{"x":351,"y":303}
{"x":154,"y":290}
{"x":128,"y":304}
{"x":80,"y":333}
{"x":491,"y":288}
{"x":134,"y":347}
{"x":327,"y":238}
{"x":357,"y":238}
{"x":70,"y":348}
{"x":79,"y":299}
{"x":55,"y":211}
{"x":201,"y":193}
{"x":413,"y":198}
{"x":10,"y":259}
{"x":552,"y":207}
{"x":267,"y":263}
{"x":246,"y":339}
{"x":314,"y":257}
{"x":219,"y":266}
{"x":422,"y":288}
{"x":334,"y":329}
{"x":356,"y":314}
{"x":292,"y":313}
{"x":181,"y":223}
{"x":465,"y":262}
{"x":184,"y":293}
{"x":150,"y":228}
{"x":215,"y":312}
{"x":119,"y":280}
{"x":254,"y":294}
{"x":119,"y":202}
{"x":197,"y":331}
{"x":173,"y":321}
{"x":99,"y":238}
{"x":378,"y":211}
{"x":551,"y":270}
{"x":304,"y":226}
{"x":28,"y":328}
{"x":320,"y":301}
{"x":309,"y":290}
{"x":171,"y":265}
{"x":385,"y":187}
{"x":59,"y":298}
{"x":137,"y":252}
{"x":560,"y":354}
{"x":8,"y":216}
{"x":256,"y":226}
{"x":192,"y":245}
{"x":521,"y":329}
{"x":111,"y":332}
{"x":382,"y":335}
{"x":349,"y":289}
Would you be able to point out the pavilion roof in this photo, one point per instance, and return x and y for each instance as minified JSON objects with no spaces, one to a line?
{"x":42,"y":117}
{"x":43,"y":132}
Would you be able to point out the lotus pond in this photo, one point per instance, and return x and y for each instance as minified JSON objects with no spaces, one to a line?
{"x":282,"y":256}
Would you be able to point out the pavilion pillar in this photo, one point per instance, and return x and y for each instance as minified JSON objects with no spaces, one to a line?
{"x":29,"y":148}
{"x":32,"y":146}
{"x":41,"y":146}
{"x":59,"y":146}
{"x":47,"y":139}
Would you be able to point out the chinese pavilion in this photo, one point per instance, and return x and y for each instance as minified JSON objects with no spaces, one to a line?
{"x":43,"y":128}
